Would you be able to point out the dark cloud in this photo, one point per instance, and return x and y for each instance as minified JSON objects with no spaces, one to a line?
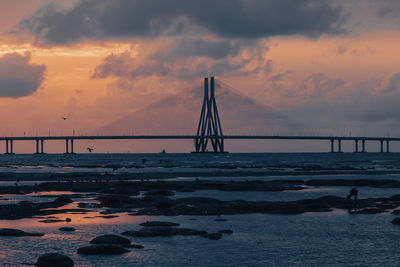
{"x":18,"y":77}
{"x":190,"y":47}
{"x":104,"y":19}
{"x":125,"y":66}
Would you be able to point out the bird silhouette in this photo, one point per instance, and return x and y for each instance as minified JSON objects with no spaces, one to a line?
{"x":90,"y":149}
{"x":64,"y":118}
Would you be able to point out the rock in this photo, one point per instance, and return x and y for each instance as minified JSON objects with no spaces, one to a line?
{"x":397,"y":212}
{"x":54,"y":260}
{"x":62,"y":200}
{"x":225,"y":231}
{"x":88,"y":205}
{"x":51,"y":221}
{"x":68,"y":220}
{"x":163,"y":231}
{"x":104,"y":249}
{"x":67,"y":229}
{"x":160,"y":193}
{"x":134,"y":246}
{"x":17,"y":232}
{"x":117,"y":201}
{"x":110,"y":239}
{"x":370,"y":211}
{"x":214,"y":236}
{"x":159,"y":201}
{"x":158,"y":223}
{"x":220,"y":220}
{"x":108,"y":216}
{"x":396,"y":220}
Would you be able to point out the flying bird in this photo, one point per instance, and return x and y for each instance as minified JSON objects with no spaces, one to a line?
{"x":64,"y":118}
{"x":90,"y":149}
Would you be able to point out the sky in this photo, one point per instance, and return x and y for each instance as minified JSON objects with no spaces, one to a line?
{"x":289,"y":67}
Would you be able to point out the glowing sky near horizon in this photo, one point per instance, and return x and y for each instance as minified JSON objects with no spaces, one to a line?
{"x":331,"y":67}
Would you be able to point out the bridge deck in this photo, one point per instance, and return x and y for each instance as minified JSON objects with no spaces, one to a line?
{"x":121,"y":137}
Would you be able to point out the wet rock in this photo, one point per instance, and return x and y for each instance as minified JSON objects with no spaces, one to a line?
{"x":118,"y":201}
{"x":51,"y":221}
{"x":370,"y":211}
{"x":103,"y":249}
{"x":63,"y":200}
{"x":157,"y":200}
{"x":134,"y":246}
{"x":121,"y":190}
{"x":225,"y":231}
{"x":160,"y":193}
{"x":214,"y":236}
{"x":397,"y":212}
{"x":17,"y":232}
{"x":110,"y":239}
{"x":186,"y":190}
{"x":396,"y":220}
{"x":158,"y":223}
{"x":163,"y":231}
{"x":67,"y":229}
{"x":88,"y":205}
{"x":114,"y":210}
{"x":220,"y":220}
{"x":54,"y":260}
{"x":108,"y":216}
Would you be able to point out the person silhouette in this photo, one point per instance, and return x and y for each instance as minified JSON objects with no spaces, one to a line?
{"x":352,"y":203}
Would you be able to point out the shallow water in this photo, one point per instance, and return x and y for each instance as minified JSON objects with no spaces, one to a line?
{"x":327,"y":239}
{"x":280,"y":162}
{"x":312,"y":239}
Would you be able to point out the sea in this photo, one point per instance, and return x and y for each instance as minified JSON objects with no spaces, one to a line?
{"x":335,"y":238}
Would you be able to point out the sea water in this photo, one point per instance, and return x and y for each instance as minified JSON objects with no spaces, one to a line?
{"x":334,"y":238}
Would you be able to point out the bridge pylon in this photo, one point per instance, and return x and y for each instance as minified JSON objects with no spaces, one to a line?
{"x":209,"y":128}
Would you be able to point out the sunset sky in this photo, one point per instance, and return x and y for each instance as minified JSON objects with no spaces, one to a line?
{"x":305,"y":67}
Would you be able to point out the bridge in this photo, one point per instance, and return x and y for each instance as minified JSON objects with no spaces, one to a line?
{"x":69,"y":140}
{"x":209,"y":132}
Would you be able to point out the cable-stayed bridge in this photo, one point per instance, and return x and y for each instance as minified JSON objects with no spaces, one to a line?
{"x":209,"y":136}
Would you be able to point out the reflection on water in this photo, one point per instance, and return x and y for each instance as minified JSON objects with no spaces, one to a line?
{"x":334,"y":238}
{"x":258,"y":240}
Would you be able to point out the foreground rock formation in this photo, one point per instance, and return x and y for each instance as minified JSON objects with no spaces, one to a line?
{"x":54,"y":260}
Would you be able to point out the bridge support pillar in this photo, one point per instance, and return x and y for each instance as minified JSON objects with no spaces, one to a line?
{"x":9,"y":146}
{"x":363,"y":145}
{"x":387,"y":146}
{"x":332,"y":146}
{"x":6,"y":146}
{"x":356,"y":145}
{"x":340,"y":145}
{"x":42,"y":146}
{"x":37,"y":146}
{"x":381,"y":141}
{"x":66,"y":147}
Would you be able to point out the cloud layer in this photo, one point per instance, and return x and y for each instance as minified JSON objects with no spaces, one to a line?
{"x":104,"y":19}
{"x":18,"y":77}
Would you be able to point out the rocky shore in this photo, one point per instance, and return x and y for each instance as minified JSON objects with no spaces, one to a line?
{"x":155,"y":198}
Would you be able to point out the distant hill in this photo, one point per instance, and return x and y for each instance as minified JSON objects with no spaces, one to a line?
{"x":179,"y":114}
